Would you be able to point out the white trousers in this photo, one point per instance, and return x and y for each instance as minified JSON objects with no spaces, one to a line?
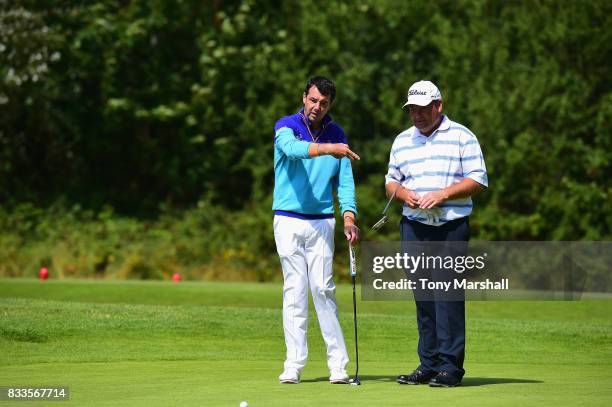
{"x":306,"y":251}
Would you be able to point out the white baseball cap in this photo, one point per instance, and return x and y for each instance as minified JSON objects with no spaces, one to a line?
{"x":422,"y":93}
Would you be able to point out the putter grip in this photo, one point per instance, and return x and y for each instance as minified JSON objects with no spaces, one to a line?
{"x":352,"y":261}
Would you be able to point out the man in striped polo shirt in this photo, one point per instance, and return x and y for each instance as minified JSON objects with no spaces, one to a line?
{"x":311,"y":161}
{"x":434,"y":168}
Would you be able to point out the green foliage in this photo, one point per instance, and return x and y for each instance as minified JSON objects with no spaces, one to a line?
{"x":163,"y":111}
{"x":199,"y":243}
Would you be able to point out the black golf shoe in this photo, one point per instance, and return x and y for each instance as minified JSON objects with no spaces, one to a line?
{"x":444,"y":379}
{"x":416,"y":377}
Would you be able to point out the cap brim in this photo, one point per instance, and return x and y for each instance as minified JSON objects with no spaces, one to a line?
{"x":419,"y":101}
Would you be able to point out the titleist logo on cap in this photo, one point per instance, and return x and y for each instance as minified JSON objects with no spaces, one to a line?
{"x":416,"y":92}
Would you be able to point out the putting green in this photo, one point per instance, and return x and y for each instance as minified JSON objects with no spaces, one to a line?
{"x":226,"y":383}
{"x":212,"y":344}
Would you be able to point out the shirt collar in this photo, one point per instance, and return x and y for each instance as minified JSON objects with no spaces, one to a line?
{"x":444,"y":125}
{"x":326,"y":120}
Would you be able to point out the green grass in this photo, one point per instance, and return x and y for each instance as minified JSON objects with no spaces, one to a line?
{"x":215,"y":344}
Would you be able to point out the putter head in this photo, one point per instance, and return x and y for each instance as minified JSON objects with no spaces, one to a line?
{"x":355,"y":381}
{"x":380,"y":223}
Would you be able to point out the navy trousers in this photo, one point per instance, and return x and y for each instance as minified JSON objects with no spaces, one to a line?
{"x":441,"y":324}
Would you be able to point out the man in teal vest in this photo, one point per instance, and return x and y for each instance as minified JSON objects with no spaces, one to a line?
{"x":311,"y":161}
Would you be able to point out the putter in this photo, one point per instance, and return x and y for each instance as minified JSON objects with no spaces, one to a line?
{"x":385,"y":218}
{"x":353,"y":270}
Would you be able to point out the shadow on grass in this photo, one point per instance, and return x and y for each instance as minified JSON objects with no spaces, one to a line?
{"x":23,"y":335}
{"x":485,"y":381}
{"x":362,"y":378}
{"x":467,"y":382}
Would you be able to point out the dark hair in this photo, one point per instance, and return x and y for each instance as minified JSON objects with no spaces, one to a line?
{"x":324,"y":85}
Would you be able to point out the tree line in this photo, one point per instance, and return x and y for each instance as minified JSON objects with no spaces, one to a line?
{"x":154,"y":109}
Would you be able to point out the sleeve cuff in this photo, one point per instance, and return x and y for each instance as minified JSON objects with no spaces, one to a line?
{"x":349,"y":209}
{"x":481,"y":179}
{"x":389,"y":180}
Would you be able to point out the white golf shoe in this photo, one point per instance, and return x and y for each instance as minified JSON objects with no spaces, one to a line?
{"x":290,"y":376}
{"x":338,"y":376}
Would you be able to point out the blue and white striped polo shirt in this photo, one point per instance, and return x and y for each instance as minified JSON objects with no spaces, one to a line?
{"x":424,"y":164}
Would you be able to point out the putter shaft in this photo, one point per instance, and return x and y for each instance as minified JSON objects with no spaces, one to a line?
{"x":353,"y":270}
{"x":384,"y":219}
